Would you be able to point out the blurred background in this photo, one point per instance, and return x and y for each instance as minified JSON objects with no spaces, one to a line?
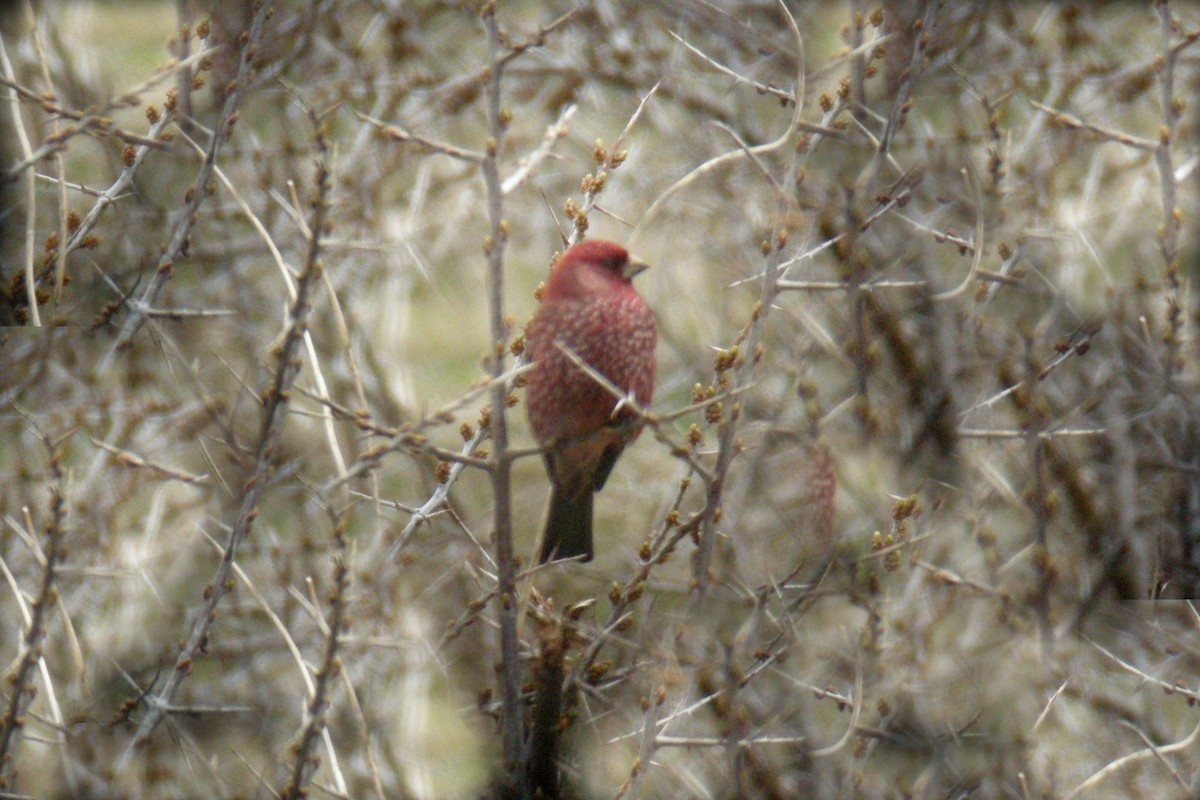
{"x":920,"y":516}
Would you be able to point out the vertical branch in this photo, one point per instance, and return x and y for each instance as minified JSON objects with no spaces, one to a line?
{"x":274,"y":401}
{"x":900,"y":107}
{"x":178,"y":245}
{"x":554,"y":639}
{"x":513,"y":717}
{"x":18,"y":682}
{"x":30,"y":190}
{"x":304,"y":763}
{"x":858,"y":271}
{"x":1168,"y":246}
{"x":60,"y":258}
{"x":858,"y":63}
{"x":183,"y":80}
{"x":632,"y":787}
{"x":1168,"y":241}
{"x":1039,"y":494}
{"x":745,"y":353}
{"x":1188,"y":448}
{"x":742,"y":356}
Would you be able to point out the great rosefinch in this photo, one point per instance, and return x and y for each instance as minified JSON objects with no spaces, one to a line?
{"x":590,"y":309}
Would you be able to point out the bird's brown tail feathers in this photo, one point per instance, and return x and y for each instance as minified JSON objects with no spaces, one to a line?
{"x":568,"y":525}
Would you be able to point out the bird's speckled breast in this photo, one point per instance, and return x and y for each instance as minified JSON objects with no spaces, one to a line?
{"x":616,"y":336}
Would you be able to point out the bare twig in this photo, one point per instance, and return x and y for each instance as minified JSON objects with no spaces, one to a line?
{"x":399,"y":134}
{"x":650,"y":742}
{"x":750,"y":340}
{"x":1116,"y":766}
{"x":303,"y":764}
{"x":129,"y":459}
{"x":900,"y":104}
{"x":513,"y":717}
{"x":285,"y":271}
{"x":762,"y":88}
{"x":275,"y":402}
{"x":733,"y":155}
{"x":528,"y":164}
{"x":18,"y":680}
{"x":200,"y":189}
{"x":30,"y":192}
{"x":1075,"y":123}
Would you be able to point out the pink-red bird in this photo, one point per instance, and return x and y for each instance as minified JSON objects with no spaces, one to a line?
{"x":589,"y":308}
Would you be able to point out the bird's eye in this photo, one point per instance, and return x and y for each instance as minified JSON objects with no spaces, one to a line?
{"x":615,"y":264}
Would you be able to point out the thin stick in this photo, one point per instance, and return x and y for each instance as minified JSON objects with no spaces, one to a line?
{"x":513,"y":717}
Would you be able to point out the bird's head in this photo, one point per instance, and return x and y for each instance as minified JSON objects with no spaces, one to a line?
{"x":592,"y":266}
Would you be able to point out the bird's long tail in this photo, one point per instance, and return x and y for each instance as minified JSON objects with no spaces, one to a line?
{"x":568,"y":525}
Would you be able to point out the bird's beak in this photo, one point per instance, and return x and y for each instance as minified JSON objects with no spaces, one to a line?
{"x":634,"y":267}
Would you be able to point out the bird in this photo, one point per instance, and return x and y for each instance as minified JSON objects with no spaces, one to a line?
{"x":591,"y":314}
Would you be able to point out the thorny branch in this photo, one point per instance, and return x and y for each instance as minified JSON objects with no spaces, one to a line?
{"x":18,"y":680}
{"x":304,"y":765}
{"x":513,"y":715}
{"x":275,"y":402}
{"x":752,"y":335}
{"x":177,"y":247}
